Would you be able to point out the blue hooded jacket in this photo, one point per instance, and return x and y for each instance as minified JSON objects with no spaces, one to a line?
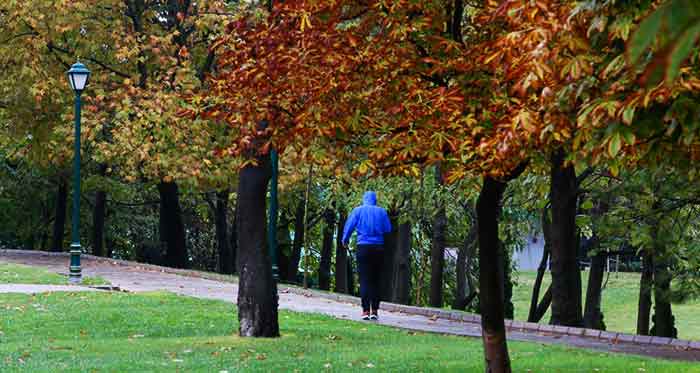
{"x":370,"y":221}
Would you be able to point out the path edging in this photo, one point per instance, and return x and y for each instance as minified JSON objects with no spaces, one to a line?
{"x":458,"y":316}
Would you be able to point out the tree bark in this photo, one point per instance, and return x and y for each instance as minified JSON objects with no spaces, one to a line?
{"x":233,"y":240}
{"x":541,"y":269}
{"x":324,"y":265}
{"x":465,"y":291}
{"x":645,"y":285}
{"x":401,"y":289}
{"x":341,"y":257}
{"x":225,"y":263}
{"x":593,"y":316}
{"x":284,"y":243}
{"x":566,"y":275}
{"x":59,"y":222}
{"x":257,"y":291}
{"x":493,"y":328}
{"x":98,"y":218}
{"x":505,"y":271}
{"x":390,"y":248}
{"x":543,"y":306}
{"x":437,"y":249}
{"x":664,"y":321}
{"x":299,"y":231}
{"x":172,"y":228}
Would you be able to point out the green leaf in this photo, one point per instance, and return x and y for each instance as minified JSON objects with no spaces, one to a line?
{"x":614,"y":145}
{"x":645,"y":35}
{"x":628,"y":115}
{"x":682,"y":48}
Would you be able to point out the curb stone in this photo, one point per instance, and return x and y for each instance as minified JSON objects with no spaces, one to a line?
{"x":392,"y":307}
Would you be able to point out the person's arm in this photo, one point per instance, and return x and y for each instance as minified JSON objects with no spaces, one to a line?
{"x":350,"y":225}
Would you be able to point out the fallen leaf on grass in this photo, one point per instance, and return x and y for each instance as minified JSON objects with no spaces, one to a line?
{"x":261,"y":357}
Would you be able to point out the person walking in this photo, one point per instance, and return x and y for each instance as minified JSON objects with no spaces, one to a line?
{"x":371,"y":223}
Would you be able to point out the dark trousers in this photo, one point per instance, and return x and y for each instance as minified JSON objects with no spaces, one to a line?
{"x":369,"y":266}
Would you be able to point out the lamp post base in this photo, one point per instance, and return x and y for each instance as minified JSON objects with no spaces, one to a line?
{"x":75,"y":275}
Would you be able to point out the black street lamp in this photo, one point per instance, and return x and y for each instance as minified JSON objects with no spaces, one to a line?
{"x":78,"y":78}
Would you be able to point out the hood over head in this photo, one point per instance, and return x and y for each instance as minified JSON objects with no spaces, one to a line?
{"x":370,"y":198}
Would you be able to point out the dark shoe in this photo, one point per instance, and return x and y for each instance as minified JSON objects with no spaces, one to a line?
{"x":365,"y":315}
{"x":374,"y":316}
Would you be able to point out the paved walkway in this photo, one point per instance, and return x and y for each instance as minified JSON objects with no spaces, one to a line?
{"x":140,"y":279}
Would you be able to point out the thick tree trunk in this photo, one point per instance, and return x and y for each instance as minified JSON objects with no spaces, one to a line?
{"x":593,"y":316}
{"x":172,"y":229}
{"x":225,"y":263}
{"x":341,"y":257}
{"x":324,"y":266}
{"x":493,"y":328}
{"x":566,"y":275}
{"x":401,"y":284}
{"x":541,"y":269}
{"x":299,"y":231}
{"x":645,"y":284}
{"x":664,"y":322}
{"x":59,"y":223}
{"x":391,"y":242}
{"x":257,"y":291}
{"x":437,"y":249}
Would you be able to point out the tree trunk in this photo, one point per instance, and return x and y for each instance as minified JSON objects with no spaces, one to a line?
{"x":59,"y":222}
{"x":98,"y":223}
{"x":645,"y":285}
{"x":390,"y":247}
{"x":663,"y":315}
{"x":257,"y":291}
{"x":437,"y":249}
{"x":541,"y":269}
{"x":593,"y":316}
{"x":299,"y":231}
{"x":324,"y":265}
{"x":233,"y":240}
{"x":172,"y":229}
{"x":225,"y":262}
{"x":566,"y":276}
{"x":492,"y":324}
{"x":98,"y":218}
{"x":505,"y":270}
{"x":341,"y":257}
{"x":284,"y":244}
{"x":543,"y":306}
{"x":464,"y":292}
{"x":401,"y":284}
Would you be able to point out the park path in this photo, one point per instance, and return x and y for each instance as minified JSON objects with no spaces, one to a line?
{"x":137,"y":278}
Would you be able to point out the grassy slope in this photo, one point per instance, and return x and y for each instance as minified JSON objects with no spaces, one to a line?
{"x":11,"y":273}
{"x":619,"y":303}
{"x":119,"y":332}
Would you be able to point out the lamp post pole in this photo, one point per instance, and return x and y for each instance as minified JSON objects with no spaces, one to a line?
{"x":77,"y":77}
{"x":75,"y":249}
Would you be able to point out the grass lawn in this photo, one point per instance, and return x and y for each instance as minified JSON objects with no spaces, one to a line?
{"x":619,"y":303}
{"x":11,"y":273}
{"x":117,"y":332}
